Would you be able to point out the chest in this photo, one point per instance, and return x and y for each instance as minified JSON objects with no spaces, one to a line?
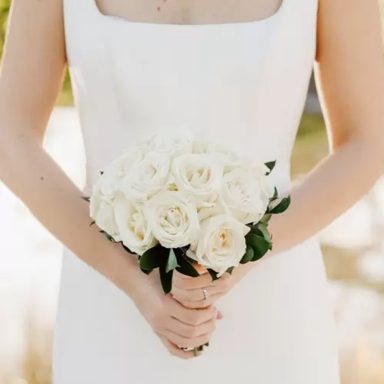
{"x":188,"y":11}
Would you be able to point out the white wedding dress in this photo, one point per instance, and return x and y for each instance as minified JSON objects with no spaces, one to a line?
{"x":242,"y":82}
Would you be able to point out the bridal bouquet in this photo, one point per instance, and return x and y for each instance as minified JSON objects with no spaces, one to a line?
{"x":177,"y":201}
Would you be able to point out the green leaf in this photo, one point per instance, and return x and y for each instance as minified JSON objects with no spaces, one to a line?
{"x":275,"y":194}
{"x":200,"y":348}
{"x":259,"y":244}
{"x":255,"y":230}
{"x":171,"y":261}
{"x":166,"y":279}
{"x":108,"y":236}
{"x":185,"y":267}
{"x":146,"y":271}
{"x":127,"y":249}
{"x":270,"y":165}
{"x":264,"y":230}
{"x":248,"y":255}
{"x":213,"y":274}
{"x":282,"y":206}
{"x":265,"y":219}
{"x":153,"y":258}
{"x":230,"y":270}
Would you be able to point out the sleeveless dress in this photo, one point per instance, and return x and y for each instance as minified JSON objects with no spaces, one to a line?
{"x":245,"y":83}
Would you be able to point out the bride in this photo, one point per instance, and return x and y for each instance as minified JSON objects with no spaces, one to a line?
{"x":238,"y":70}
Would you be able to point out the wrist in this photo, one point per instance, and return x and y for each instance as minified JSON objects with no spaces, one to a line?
{"x":122,"y":269}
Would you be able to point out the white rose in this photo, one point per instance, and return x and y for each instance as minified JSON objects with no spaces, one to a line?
{"x":101,"y":210}
{"x":217,"y":208}
{"x":105,"y":188}
{"x":220,"y":244}
{"x":229,"y":156}
{"x":146,"y":177}
{"x":171,"y":184}
{"x":173,"y":218}
{"x":134,"y":230}
{"x":244,"y":194}
{"x":261,"y":171}
{"x":108,"y":182}
{"x":174,"y":141}
{"x":199,"y":175}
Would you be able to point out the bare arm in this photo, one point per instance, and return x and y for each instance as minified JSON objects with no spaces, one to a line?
{"x":32,"y":71}
{"x":30,"y":78}
{"x":349,"y":72}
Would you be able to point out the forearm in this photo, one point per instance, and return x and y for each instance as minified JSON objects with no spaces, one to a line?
{"x":332,"y":187}
{"x":33,"y":176}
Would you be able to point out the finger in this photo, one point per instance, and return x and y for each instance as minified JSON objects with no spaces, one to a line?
{"x":223,"y":281}
{"x":185,"y":342}
{"x":192,"y":316}
{"x":189,"y":331}
{"x":195,"y":294}
{"x":187,"y":282}
{"x":201,"y":303}
{"x":199,"y":268}
{"x":175,"y":351}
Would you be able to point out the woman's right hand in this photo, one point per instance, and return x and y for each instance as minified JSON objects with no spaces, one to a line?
{"x":176,"y":325}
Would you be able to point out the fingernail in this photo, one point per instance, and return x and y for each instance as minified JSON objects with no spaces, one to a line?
{"x":219,"y":315}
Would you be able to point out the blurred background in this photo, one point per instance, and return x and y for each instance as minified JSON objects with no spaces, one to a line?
{"x":30,"y":257}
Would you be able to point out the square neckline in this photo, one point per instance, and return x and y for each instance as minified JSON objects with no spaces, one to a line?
{"x":126,"y":21}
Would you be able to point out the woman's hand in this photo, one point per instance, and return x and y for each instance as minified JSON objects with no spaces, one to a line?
{"x":189,"y":291}
{"x":176,"y":325}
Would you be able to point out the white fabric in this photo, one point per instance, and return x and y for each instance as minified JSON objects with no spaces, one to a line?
{"x":244,"y":83}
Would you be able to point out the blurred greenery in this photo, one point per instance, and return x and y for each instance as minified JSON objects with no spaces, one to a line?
{"x":311,"y":144}
{"x":4,"y":8}
{"x":65,"y":96}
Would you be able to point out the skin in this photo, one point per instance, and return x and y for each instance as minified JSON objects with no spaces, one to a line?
{"x":350,"y":74}
{"x":188,"y":12}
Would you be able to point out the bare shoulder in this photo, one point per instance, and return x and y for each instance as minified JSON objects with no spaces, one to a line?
{"x":38,"y":17}
{"x":33,"y":61}
{"x":350,"y":69}
{"x":342,"y":22}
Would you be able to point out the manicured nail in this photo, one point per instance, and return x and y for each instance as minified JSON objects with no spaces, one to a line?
{"x":219,"y":315}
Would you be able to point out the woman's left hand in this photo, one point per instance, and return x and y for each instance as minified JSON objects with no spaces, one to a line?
{"x":191,"y":291}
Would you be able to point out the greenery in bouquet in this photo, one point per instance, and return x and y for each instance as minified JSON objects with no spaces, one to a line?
{"x":176,"y":202}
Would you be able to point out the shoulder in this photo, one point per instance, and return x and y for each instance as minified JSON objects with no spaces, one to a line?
{"x":341,"y":21}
